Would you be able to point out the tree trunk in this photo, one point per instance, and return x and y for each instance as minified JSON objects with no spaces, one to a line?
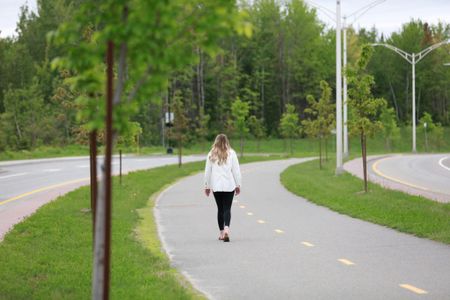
{"x":242,"y":146}
{"x":326,"y":150}
{"x":364,"y":159}
{"x":101,"y":265}
{"x":320,"y":153}
{"x":262,"y":94}
{"x":290,"y":146}
{"x":257,"y":145}
{"x":180,"y":145}
{"x":93,"y":172}
{"x":394,"y":98}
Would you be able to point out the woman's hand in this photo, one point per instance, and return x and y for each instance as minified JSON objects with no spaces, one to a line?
{"x":207,"y":192}
{"x":237,"y":190}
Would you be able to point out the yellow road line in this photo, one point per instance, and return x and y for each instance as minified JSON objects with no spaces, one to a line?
{"x":413,"y":289}
{"x":242,"y":206}
{"x":307,"y":244}
{"x":42,"y":189}
{"x":250,"y":213}
{"x":279,"y":231}
{"x":379,"y":173}
{"x":346,"y":262}
{"x":261,"y":221}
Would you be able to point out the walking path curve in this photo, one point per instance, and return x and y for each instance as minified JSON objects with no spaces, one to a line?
{"x":284,"y":247}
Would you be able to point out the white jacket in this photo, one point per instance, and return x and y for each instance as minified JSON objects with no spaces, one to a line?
{"x":225,"y":177}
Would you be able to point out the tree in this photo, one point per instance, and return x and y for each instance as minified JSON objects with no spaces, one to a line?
{"x":180,"y":124}
{"x":150,"y":46}
{"x":289,"y":125}
{"x":366,"y":109}
{"x":202,"y":127}
{"x":433,"y":132}
{"x":131,"y":136}
{"x":390,"y":129}
{"x":256,"y":127}
{"x":239,"y":111}
{"x":323,"y":120}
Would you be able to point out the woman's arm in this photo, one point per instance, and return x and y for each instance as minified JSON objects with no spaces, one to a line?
{"x":236,"y":170}
{"x":207,"y":177}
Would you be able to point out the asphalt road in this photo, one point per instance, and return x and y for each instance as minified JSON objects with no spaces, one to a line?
{"x":427,"y":172}
{"x":284,"y":247}
{"x":26,"y":185}
{"x":427,"y":175}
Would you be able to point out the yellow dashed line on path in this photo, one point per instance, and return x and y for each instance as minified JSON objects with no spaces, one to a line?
{"x":379,"y":173}
{"x":261,"y":221}
{"x":279,"y":231}
{"x":42,"y":189}
{"x":413,"y":289}
{"x":242,"y":206}
{"x":346,"y":262}
{"x":307,"y":244}
{"x":250,"y":213}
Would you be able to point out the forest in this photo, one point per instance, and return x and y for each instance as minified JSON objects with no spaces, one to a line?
{"x":267,"y":74}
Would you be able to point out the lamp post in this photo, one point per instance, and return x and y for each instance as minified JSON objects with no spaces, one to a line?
{"x":413,"y":59}
{"x":341,"y":79}
{"x":339,"y":167}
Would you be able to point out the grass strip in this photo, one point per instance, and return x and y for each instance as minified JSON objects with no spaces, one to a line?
{"x":344,"y":194}
{"x":49,"y":255}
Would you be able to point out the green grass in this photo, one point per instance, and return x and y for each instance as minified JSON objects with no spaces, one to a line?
{"x":301,"y":147}
{"x":343,"y":193}
{"x":49,"y":255}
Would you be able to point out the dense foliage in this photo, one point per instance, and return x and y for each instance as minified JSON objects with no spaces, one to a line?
{"x":289,"y":52}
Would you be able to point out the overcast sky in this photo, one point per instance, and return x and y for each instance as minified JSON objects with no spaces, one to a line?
{"x":387,"y":16}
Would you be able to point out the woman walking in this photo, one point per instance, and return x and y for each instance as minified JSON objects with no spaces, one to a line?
{"x":223,"y":177}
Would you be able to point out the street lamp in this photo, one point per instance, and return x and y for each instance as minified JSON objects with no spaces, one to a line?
{"x":339,"y":163}
{"x":339,"y":76}
{"x":413,"y":59}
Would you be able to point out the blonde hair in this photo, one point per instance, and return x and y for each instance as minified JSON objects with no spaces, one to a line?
{"x":219,"y":150}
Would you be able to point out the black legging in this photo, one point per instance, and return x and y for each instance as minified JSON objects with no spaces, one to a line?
{"x":223,"y":201}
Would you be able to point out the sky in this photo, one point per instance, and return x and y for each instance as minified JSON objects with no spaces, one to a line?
{"x":387,"y":16}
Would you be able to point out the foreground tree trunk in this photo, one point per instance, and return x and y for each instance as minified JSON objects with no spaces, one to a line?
{"x":102,"y":242}
{"x":364,"y":159}
{"x":93,"y":172}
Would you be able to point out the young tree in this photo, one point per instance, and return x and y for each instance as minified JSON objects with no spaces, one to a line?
{"x":239,"y":111}
{"x":180,"y":124}
{"x":150,"y":47}
{"x":366,"y":109}
{"x":391,"y":131}
{"x":289,"y":125}
{"x":256,"y":127}
{"x":433,"y":132}
{"x":131,"y":136}
{"x":202,"y":129}
{"x":322,"y":113}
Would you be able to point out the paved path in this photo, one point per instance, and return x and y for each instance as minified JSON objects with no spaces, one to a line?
{"x":27,"y":185}
{"x":284,"y":247}
{"x":427,"y":175}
